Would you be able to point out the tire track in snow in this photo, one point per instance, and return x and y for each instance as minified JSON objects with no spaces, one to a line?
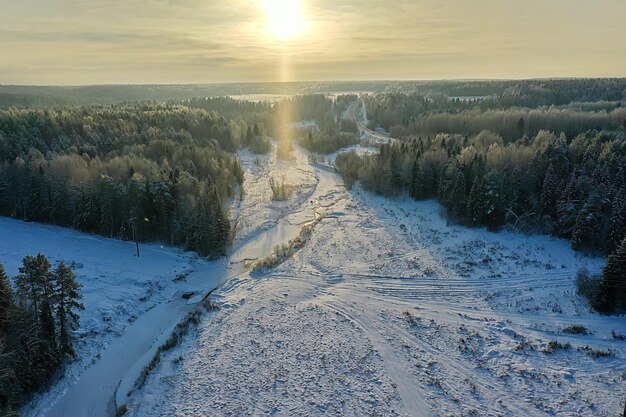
{"x":407,"y":389}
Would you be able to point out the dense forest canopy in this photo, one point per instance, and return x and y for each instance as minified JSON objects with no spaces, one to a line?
{"x":544,"y":155}
{"x":410,"y":115}
{"x":330,"y":132}
{"x":161,"y":172}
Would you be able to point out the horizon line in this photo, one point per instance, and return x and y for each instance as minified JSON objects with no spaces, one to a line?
{"x":425,"y":80}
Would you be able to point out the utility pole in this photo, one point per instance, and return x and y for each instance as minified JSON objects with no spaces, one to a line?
{"x":133,"y":225}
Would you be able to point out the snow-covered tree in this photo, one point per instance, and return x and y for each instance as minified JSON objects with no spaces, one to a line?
{"x":612,"y":295}
{"x":67,"y":306}
{"x":476,"y":202}
{"x":617,"y":226}
{"x":549,"y":192}
{"x":6,"y":296}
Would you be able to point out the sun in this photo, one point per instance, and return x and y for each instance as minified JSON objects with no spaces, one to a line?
{"x":285,"y":18}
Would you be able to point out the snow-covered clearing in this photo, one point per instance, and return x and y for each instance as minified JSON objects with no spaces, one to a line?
{"x":390,"y":311}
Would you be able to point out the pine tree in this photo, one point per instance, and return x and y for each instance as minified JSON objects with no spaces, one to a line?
{"x":36,"y":288}
{"x":6,"y":296}
{"x":475,"y":202}
{"x":458,"y":198}
{"x":612,"y":295}
{"x":67,"y":296}
{"x":567,"y":207}
{"x":33,"y":281}
{"x":617,"y":225}
{"x":549,"y":193}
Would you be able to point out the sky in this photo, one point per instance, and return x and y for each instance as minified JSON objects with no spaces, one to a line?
{"x":77,"y":42}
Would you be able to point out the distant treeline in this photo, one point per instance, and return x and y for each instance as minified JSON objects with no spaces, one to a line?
{"x":524,"y":93}
{"x":330,"y":132}
{"x":413,"y":115}
{"x":153,"y":172}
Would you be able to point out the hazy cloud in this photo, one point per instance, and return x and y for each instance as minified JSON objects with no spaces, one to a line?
{"x":139,"y":41}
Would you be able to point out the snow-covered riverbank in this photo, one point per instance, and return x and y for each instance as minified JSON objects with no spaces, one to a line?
{"x":390,"y":311}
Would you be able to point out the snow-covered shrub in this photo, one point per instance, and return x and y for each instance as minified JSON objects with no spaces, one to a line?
{"x":587,"y":285}
{"x":411,"y":319}
{"x":121,"y":410}
{"x":286,"y":250}
{"x":618,"y":336}
{"x":280,"y":191}
{"x":596,"y":353}
{"x":575,"y":329}
{"x":554,"y":346}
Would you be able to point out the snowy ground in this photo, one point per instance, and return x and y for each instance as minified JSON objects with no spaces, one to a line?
{"x":257,"y":212}
{"x":111,"y":276}
{"x":390,"y":311}
{"x":132,"y":304}
{"x":387,"y":310}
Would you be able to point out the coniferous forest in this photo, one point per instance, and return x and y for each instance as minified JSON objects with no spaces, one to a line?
{"x":144,"y":171}
{"x":37,"y":320}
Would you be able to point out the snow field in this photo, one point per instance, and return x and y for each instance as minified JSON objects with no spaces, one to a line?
{"x":118,"y":286}
{"x":442,"y":320}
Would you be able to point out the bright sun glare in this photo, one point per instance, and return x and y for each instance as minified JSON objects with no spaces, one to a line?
{"x":284,"y":18}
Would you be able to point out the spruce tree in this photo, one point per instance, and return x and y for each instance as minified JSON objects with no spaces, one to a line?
{"x":67,"y":296}
{"x":494,"y":198}
{"x":475,"y":202}
{"x":36,"y":290}
{"x":417,"y":182}
{"x":458,"y":198}
{"x":617,"y":223}
{"x":520,"y":127}
{"x":612,"y":295}
{"x":567,"y":207}
{"x":514,"y":190}
{"x":6,"y":296}
{"x":549,"y":193}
